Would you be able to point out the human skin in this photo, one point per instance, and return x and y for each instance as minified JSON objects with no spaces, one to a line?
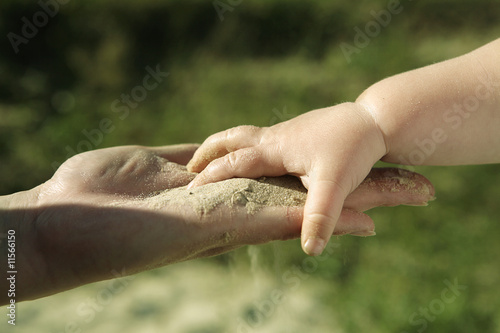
{"x":91,"y":220}
{"x":443,"y":114}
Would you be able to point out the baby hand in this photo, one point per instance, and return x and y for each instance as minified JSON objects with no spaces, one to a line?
{"x":332,"y":150}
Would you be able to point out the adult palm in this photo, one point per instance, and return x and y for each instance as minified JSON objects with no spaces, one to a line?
{"x":93,"y":219}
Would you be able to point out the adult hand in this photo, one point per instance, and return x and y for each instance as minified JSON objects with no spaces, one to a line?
{"x":92,"y":220}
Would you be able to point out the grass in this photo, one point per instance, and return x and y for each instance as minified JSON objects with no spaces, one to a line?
{"x":265,"y":62}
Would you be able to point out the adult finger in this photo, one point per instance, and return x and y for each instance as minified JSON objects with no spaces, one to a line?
{"x":390,"y":187}
{"x":273,"y":228}
{"x":282,"y":223}
{"x":181,"y":153}
{"x":222,"y":143}
{"x":354,"y":223}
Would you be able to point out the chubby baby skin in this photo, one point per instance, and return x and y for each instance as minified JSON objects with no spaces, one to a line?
{"x":443,"y":114}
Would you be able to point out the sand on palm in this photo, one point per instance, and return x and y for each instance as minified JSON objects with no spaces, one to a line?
{"x":250,"y":193}
{"x":255,"y":194}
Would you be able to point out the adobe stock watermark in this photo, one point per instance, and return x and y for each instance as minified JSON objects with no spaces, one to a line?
{"x":453,"y":119}
{"x":372,"y":29}
{"x":40,"y":19}
{"x":428,"y":314}
{"x":280,"y":116}
{"x":11,"y":274}
{"x":121,"y":107}
{"x":88,"y":309}
{"x":221,"y":7}
{"x":292,"y":279}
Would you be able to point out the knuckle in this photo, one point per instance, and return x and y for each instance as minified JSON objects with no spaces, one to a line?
{"x":337,"y":186}
{"x":212,"y":139}
{"x":269,"y":135}
{"x":249,"y":128}
{"x":243,"y":162}
{"x":243,"y":130}
{"x":232,"y":160}
{"x":216,"y":170}
{"x":319,"y":223}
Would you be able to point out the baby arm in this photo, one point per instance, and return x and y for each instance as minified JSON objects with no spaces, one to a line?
{"x":446,"y":113}
{"x":443,"y":114}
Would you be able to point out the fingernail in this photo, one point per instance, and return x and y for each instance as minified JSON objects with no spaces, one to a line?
{"x":363,"y":233}
{"x":420,"y":204}
{"x":189,"y":166}
{"x":190,"y":185}
{"x":314,"y":246}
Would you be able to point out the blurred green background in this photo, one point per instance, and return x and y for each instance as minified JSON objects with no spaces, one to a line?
{"x":251,"y":62}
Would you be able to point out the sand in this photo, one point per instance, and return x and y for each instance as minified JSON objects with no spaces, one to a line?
{"x":409,"y":188}
{"x":254,"y":194}
{"x":396,"y":180}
